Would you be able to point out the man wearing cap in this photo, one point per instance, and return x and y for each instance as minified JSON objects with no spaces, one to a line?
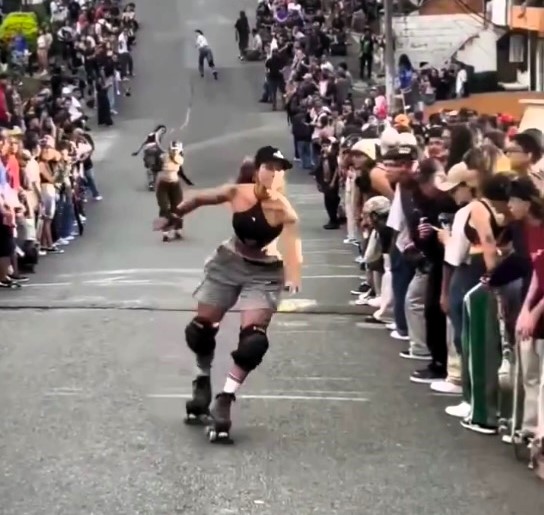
{"x":399,"y":163}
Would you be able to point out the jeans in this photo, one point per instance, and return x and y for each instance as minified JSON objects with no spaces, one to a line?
{"x":90,"y":182}
{"x":403,"y":272}
{"x":464,"y":278}
{"x":65,"y":216}
{"x":111,"y":96}
{"x":304,"y":149}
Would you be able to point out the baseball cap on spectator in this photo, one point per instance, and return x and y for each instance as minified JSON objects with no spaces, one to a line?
{"x":366,"y":147}
{"x":407,"y":139}
{"x":379,"y":205}
{"x":388,"y":139}
{"x":16,"y":132}
{"x":524,"y":189}
{"x":401,"y":153}
{"x":457,"y":175}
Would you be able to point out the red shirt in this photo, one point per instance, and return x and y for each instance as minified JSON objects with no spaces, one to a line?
{"x":535,"y":245}
{"x":13,"y":171}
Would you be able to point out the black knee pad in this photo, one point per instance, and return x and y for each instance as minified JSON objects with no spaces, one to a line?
{"x":200,"y":336}
{"x":252,"y":347}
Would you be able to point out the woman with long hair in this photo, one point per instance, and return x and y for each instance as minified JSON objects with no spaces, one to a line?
{"x":243,"y":270}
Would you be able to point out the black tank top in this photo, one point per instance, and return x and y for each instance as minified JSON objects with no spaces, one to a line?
{"x":252,"y":228}
{"x":499,"y":231}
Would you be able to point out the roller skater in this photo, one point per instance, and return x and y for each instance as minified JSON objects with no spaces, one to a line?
{"x":152,"y":147}
{"x":205,"y":54}
{"x":245,"y":269}
{"x":168,"y":190}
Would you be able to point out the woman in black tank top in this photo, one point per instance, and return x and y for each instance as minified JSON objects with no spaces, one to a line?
{"x":244,"y":270}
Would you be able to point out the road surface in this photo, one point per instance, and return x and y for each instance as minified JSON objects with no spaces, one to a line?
{"x":94,"y":372}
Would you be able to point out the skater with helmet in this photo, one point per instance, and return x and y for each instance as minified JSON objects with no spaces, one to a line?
{"x":245,"y":270}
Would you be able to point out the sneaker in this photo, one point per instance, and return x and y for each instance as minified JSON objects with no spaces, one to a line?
{"x":407,"y":354}
{"x":477,"y":428}
{"x":359,"y":260}
{"x":363,"y":288}
{"x":54,"y":250}
{"x":391,"y":326}
{"x":376,"y":302}
{"x":42,"y":252}
{"x":427,"y":375}
{"x":18,"y":278}
{"x":363,"y":299}
{"x":10,"y":284}
{"x":461,"y":410}
{"x":62,"y":242}
{"x":97,"y":198}
{"x":397,"y":336}
{"x":331,"y":226}
{"x":446,"y":387}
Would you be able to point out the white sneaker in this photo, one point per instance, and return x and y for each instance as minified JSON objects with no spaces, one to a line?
{"x":446,"y":387}
{"x":391,"y":326}
{"x":349,"y":241}
{"x":363,"y":300}
{"x":397,"y":336}
{"x":62,"y":242}
{"x":461,"y":410}
{"x":359,"y":260}
{"x":376,"y":302}
{"x":98,"y":198}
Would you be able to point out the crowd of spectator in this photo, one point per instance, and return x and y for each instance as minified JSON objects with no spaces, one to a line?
{"x":80,"y":63}
{"x":448,"y":214}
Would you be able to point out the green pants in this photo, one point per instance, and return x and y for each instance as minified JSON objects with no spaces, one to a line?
{"x":481,"y":345}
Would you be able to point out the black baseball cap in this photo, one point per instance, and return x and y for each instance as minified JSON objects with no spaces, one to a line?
{"x":524,"y":189}
{"x":271,"y":154}
{"x":401,"y":153}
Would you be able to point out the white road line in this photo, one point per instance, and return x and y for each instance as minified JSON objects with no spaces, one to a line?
{"x":314,"y":378}
{"x":267,"y":397}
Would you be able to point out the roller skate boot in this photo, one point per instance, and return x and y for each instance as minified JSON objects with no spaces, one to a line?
{"x":220,"y":422}
{"x":198,"y":408}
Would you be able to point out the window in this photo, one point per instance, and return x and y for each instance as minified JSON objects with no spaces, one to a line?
{"x":517,"y":48}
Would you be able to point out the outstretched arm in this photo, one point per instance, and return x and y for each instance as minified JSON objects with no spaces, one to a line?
{"x":291,"y":245}
{"x":208,"y":197}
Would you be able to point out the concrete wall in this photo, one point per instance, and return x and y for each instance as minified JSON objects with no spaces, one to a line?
{"x":436,"y":38}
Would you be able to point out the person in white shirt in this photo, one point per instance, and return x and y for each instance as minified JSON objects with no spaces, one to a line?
{"x":205,"y":54}
{"x":461,"y":82}
{"x":461,"y":183}
{"x":125,"y":59}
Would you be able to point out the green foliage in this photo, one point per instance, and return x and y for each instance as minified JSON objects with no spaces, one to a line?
{"x":23,"y":22}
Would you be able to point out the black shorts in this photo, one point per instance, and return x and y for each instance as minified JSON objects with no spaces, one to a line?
{"x":7,"y":241}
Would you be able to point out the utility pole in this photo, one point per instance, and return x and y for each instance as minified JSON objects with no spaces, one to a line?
{"x":389,"y":53}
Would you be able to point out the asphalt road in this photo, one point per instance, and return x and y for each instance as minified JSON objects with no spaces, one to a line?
{"x":94,"y":372}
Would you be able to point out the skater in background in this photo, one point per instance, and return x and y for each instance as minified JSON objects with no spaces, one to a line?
{"x":242,"y":270}
{"x":153,"y":151}
{"x":205,"y":54}
{"x":242,"y":31}
{"x":169,"y":192}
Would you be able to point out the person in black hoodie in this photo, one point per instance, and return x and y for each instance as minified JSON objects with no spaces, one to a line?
{"x":327,"y":179}
{"x":428,"y":204}
{"x":242,"y":31}
{"x":302,"y":136}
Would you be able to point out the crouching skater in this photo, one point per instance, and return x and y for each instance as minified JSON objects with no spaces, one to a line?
{"x":244,"y":270}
